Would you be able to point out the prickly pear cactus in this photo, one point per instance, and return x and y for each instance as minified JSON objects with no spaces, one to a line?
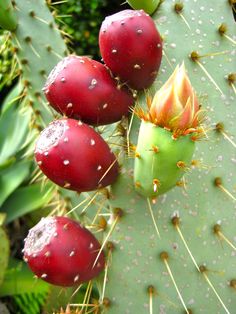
{"x":178,"y":255}
{"x":38,"y":46}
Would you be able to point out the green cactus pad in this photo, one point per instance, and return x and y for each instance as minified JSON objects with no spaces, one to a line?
{"x":148,"y":6}
{"x":39,"y":46}
{"x":160,"y":160}
{"x":200,"y":260}
{"x":8,"y":19}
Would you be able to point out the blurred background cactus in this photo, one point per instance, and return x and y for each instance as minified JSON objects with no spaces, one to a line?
{"x":176,"y":255}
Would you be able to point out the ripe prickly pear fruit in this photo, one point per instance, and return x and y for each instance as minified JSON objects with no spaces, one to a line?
{"x":62,"y":252}
{"x":167,"y":136}
{"x":149,"y":6}
{"x":74,"y":156}
{"x":131,"y":47}
{"x":82,"y":88}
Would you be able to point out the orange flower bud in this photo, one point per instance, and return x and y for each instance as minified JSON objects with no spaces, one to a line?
{"x":175,"y":106}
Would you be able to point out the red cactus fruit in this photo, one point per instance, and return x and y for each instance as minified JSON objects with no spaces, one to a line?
{"x":74,"y":156}
{"x":82,"y":88}
{"x":131,"y":47}
{"x":62,"y":252}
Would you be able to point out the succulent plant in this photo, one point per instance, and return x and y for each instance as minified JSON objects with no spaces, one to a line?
{"x":175,"y":253}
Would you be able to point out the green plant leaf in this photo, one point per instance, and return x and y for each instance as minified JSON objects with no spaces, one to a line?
{"x":4,"y":249}
{"x":27,"y":199}
{"x":11,"y":177}
{"x":14,"y":125}
{"x":19,"y":280}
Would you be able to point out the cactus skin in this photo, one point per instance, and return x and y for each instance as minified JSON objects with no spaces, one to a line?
{"x":148,"y":6}
{"x":160,"y":160}
{"x":82,"y":88}
{"x":38,"y":46}
{"x":62,"y":252}
{"x":133,"y":29}
{"x":8,"y":19}
{"x":138,"y":278}
{"x":74,"y":156}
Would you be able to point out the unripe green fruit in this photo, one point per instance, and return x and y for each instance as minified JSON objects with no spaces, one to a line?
{"x":161,"y":160}
{"x":149,"y":6}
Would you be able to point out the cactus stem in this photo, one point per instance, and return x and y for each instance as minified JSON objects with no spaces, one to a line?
{"x":153,"y":218}
{"x":17,"y":41}
{"x":220,"y":128}
{"x":50,"y":50}
{"x":109,"y":168}
{"x":231,"y":79}
{"x":33,"y":15}
{"x":58,"y":2}
{"x":182,"y":184}
{"x":218,"y":232}
{"x":178,"y":7}
{"x":164,"y":257}
{"x":86,"y":297}
{"x":218,"y":183}
{"x":106,"y":303}
{"x":151,"y":291}
{"x":91,"y":199}
{"x":176,"y":222}
{"x":222,"y":30}
{"x":203,"y":270}
{"x":195,"y":58}
{"x":108,"y":260}
{"x":107,"y":238}
{"x":35,"y":176}
{"x":233,"y":283}
{"x":167,"y":58}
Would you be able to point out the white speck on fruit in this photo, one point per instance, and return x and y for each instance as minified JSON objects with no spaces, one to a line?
{"x":40,"y":236}
{"x":76,"y":278}
{"x":44,"y":276}
{"x":137,"y":66}
{"x":63,"y":80}
{"x":66,"y":162}
{"x":139,"y":31}
{"x":93,"y":84}
{"x":47,"y":254}
{"x":50,"y":136}
{"x":80,"y":123}
{"x":25,"y":259}
{"x":91,"y":245}
{"x":92,"y":142}
{"x":40,"y":162}
{"x":81,"y":61}
{"x":55,"y":235}
{"x":114,"y":51}
{"x":70,"y":105}
{"x":99,"y":167}
{"x":72,"y":253}
{"x":66,"y":139}
{"x":105,"y":106}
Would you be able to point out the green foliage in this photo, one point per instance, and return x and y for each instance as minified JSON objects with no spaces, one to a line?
{"x":83,"y":20}
{"x":27,"y":199}
{"x":28,"y":293}
{"x":8,"y":66}
{"x":4,"y":249}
